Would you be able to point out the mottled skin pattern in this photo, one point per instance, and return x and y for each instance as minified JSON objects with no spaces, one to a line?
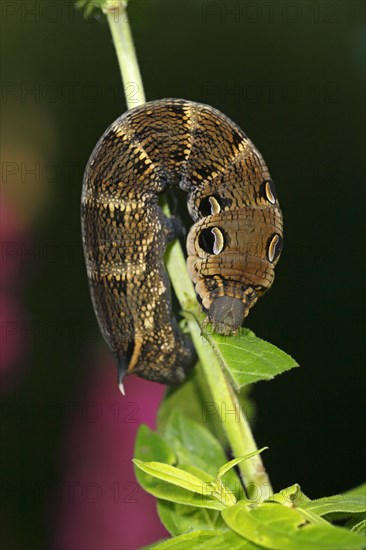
{"x":232,"y":248}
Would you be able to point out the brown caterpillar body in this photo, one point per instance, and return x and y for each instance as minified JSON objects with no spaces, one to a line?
{"x":232,"y":247}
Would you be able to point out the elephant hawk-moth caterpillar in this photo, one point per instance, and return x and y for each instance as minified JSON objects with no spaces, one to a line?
{"x":232,"y":247}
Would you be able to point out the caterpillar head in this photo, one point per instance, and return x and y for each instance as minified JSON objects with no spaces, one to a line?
{"x":226,"y":314}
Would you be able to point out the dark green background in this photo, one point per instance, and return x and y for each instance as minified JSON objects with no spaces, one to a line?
{"x":292,"y":78}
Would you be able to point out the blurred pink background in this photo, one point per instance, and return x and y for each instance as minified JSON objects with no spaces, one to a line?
{"x":102,"y":506}
{"x":93,"y":501}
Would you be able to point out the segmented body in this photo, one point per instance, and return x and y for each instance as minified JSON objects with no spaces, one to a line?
{"x":232,"y":247}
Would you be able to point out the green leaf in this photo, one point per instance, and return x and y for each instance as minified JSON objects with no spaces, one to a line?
{"x":149,"y":446}
{"x":179,"y":519}
{"x":192,"y":399}
{"x":193,"y":443}
{"x":360,"y":528}
{"x":229,"y":465}
{"x":227,"y":541}
{"x":205,"y":485}
{"x":195,"y":446}
{"x":348,"y":520}
{"x":173,"y":475}
{"x":198,"y":452}
{"x":248,"y":358}
{"x":274,"y":526}
{"x":89,"y":6}
{"x":184,"y":542}
{"x":205,"y":477}
{"x":360,"y":490}
{"x":206,"y":540}
{"x":291,"y":496}
{"x":311,"y":517}
{"x":338,"y":503}
{"x":215,"y":487}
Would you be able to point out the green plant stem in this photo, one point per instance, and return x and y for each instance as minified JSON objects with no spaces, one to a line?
{"x":116,"y":13}
{"x":234,"y":422}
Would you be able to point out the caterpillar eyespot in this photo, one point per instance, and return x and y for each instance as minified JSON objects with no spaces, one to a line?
{"x":211,"y":240}
{"x":232,"y":247}
{"x":269,"y":191}
{"x":274,"y":247}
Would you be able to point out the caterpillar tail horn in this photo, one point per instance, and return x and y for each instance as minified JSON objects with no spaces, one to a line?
{"x":121,"y":373}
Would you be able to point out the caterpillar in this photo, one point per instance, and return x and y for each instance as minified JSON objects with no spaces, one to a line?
{"x":232,"y":247}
